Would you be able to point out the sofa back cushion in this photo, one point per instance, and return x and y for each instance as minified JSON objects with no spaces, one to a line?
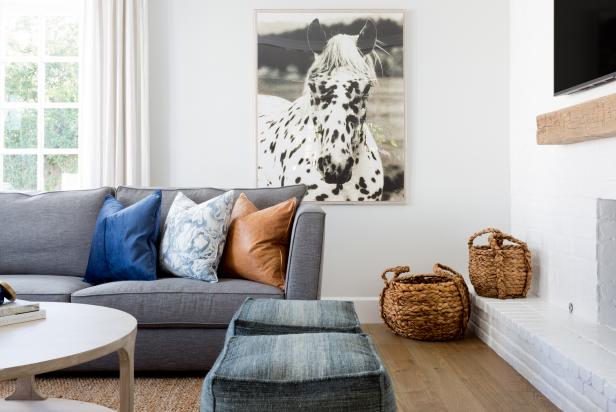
{"x":262,"y":198}
{"x":48,"y":233}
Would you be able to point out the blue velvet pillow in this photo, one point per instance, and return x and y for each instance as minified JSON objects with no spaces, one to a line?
{"x":124,"y":241}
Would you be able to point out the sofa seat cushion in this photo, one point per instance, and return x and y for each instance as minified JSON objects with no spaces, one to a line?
{"x":278,"y":317}
{"x":177,"y":302}
{"x":45,"y":288}
{"x":307,"y":372}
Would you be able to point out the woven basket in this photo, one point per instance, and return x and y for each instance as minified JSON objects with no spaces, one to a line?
{"x":432,"y":306}
{"x":497,"y":270}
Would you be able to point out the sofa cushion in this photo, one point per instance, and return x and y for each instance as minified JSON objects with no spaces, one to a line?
{"x":278,"y":317}
{"x":194,"y":236}
{"x":177,"y":301}
{"x":45,"y":288}
{"x":262,"y":198}
{"x":48,"y":233}
{"x":124,"y":245}
{"x":258,"y":241}
{"x":307,"y":372}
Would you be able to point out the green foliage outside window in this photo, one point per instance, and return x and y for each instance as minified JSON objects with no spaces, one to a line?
{"x":61,"y":82}
{"x":22,"y":38}
{"x":20,"y":129}
{"x":20,"y":172}
{"x":55,"y":165}
{"x":61,"y":128}
{"x":21,"y":82}
{"x":61,"y":79}
{"x":62,"y":36}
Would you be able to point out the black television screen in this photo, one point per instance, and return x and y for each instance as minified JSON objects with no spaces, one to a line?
{"x":584,"y":44}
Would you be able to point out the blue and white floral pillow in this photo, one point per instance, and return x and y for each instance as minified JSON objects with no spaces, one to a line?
{"x":194,"y":236}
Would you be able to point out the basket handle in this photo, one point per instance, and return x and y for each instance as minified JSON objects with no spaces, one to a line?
{"x":439,"y":267}
{"x":492,"y":230}
{"x":396,"y":270}
{"x":496,"y":244}
{"x":496,"y":241}
{"x":460,"y":283}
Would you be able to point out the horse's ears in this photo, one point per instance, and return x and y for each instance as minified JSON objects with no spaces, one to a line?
{"x":316,"y":36}
{"x":367,"y":37}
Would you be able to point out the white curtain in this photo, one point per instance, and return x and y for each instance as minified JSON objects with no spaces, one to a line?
{"x":114,"y":115}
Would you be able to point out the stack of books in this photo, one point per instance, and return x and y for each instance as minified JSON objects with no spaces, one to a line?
{"x":20,"y":311}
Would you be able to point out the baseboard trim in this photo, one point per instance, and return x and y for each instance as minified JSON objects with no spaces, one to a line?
{"x":367,"y":307}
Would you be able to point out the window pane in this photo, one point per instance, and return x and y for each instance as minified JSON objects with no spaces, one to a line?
{"x":62,"y":36}
{"x":61,"y":172}
{"x":61,"y":128}
{"x":21,"y":82}
{"x":61,"y":82}
{"x":20,"y":129}
{"x":22,"y":36}
{"x":19,"y":172}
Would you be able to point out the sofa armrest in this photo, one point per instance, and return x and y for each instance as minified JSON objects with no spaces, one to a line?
{"x":306,"y":254}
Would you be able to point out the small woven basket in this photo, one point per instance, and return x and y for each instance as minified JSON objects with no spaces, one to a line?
{"x":498,"y":270}
{"x":432,"y":306}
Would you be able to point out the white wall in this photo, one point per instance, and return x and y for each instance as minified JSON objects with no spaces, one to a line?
{"x":554,"y":188}
{"x":202,"y":107}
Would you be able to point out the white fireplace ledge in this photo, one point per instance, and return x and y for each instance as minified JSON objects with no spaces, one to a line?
{"x":570,"y":360}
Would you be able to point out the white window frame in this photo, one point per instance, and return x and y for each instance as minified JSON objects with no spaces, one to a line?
{"x":42,"y":9}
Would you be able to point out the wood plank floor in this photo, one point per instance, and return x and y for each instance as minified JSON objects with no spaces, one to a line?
{"x":463,"y":375}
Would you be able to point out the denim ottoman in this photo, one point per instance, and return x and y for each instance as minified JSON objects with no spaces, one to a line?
{"x":298,"y":372}
{"x":278,"y":317}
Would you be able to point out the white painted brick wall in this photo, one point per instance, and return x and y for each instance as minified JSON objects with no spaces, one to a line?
{"x":606,"y":261}
{"x":554,"y":188}
{"x":596,"y":397}
{"x":570,"y":360}
{"x":610,"y":391}
{"x":606,"y":211}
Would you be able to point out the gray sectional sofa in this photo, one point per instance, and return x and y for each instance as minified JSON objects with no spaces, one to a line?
{"x":44,"y":248}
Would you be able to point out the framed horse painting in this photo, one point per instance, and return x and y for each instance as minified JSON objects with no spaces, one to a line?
{"x":331,"y":104}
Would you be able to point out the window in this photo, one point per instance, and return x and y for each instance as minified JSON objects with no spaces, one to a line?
{"x":39,"y":95}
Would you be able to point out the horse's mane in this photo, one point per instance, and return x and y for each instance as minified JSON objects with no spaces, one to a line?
{"x":341,"y":51}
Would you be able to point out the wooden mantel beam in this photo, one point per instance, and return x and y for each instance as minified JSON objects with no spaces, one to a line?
{"x":594,"y":119}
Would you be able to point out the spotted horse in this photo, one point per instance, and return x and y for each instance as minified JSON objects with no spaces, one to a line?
{"x":322,"y":139}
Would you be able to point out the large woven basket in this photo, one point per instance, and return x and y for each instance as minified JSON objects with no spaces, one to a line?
{"x":499,"y":270}
{"x":432,"y":306}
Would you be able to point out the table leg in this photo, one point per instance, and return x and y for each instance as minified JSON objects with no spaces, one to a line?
{"x":127,"y":374}
{"x":25,"y":390}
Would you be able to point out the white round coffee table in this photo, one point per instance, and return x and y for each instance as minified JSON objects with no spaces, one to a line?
{"x":71,"y":334}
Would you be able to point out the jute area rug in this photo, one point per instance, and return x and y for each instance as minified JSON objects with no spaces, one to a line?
{"x":152,"y":394}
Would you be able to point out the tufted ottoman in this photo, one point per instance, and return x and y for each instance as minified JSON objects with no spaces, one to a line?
{"x":278,"y":317}
{"x":298,"y":372}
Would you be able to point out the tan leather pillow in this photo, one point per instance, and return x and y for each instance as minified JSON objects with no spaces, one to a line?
{"x":258,"y":241}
